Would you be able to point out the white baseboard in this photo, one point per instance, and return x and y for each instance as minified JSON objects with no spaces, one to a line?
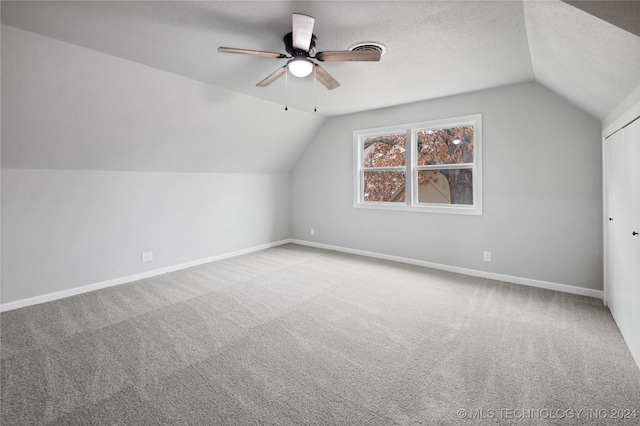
{"x":598,"y":294}
{"x":130,"y":278}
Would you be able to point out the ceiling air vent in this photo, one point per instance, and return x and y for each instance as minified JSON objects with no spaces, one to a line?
{"x":369,"y":46}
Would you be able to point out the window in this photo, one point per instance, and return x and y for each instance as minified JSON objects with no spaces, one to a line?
{"x":433,"y":166}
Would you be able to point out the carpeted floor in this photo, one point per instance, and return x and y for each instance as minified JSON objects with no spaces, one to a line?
{"x":300,"y":336}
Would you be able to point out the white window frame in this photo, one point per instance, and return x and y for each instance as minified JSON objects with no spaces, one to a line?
{"x":411,"y":169}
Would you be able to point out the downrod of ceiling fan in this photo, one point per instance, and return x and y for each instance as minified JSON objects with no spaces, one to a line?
{"x":288,"y":45}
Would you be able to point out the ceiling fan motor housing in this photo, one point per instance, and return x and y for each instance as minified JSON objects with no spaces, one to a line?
{"x":288,"y":45}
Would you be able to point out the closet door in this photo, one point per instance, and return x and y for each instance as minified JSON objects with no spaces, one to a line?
{"x":622,"y":160}
{"x":632,"y":236}
{"x":613,"y":253}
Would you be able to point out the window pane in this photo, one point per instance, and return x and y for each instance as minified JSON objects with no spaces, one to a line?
{"x":454,"y":186}
{"x":445,"y":146}
{"x":384,"y":186}
{"x":384,"y":151}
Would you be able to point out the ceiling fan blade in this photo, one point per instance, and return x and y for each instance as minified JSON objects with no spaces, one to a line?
{"x":325,"y":78}
{"x":348,"y":55}
{"x":302,"y":31}
{"x":273,"y":77}
{"x":252,"y":52}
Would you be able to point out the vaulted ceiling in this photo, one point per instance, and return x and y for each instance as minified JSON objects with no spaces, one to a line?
{"x":140,"y":86}
{"x":434,"y":48}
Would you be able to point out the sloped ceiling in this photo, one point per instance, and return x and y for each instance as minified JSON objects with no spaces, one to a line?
{"x":71,"y":108}
{"x":585,"y":59}
{"x":435,"y":49}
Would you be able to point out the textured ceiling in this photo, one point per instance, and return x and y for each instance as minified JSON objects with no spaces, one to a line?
{"x":435,"y":49}
{"x":582,"y":58}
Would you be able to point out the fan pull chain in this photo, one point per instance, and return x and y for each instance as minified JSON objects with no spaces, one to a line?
{"x":315,"y":88}
{"x":286,"y":89}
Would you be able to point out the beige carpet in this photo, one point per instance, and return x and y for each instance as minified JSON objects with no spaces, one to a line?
{"x":300,"y":336}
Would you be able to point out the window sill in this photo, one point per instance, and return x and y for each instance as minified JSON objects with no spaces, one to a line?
{"x":448,"y":209}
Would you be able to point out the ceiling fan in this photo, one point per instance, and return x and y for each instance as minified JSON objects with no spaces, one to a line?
{"x":301,"y":46}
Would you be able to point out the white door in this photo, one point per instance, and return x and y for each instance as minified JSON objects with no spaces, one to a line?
{"x":613,"y":254}
{"x":622,"y":161}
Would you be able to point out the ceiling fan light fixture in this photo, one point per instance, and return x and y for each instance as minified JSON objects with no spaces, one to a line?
{"x":300,"y":67}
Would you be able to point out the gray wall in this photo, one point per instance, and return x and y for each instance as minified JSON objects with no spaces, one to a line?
{"x":542,"y":192}
{"x":103,"y":158}
{"x":66,"y":229}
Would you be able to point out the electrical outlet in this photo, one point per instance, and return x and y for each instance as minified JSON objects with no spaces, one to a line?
{"x":487,"y":256}
{"x":312,"y":231}
{"x":147,"y":256}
